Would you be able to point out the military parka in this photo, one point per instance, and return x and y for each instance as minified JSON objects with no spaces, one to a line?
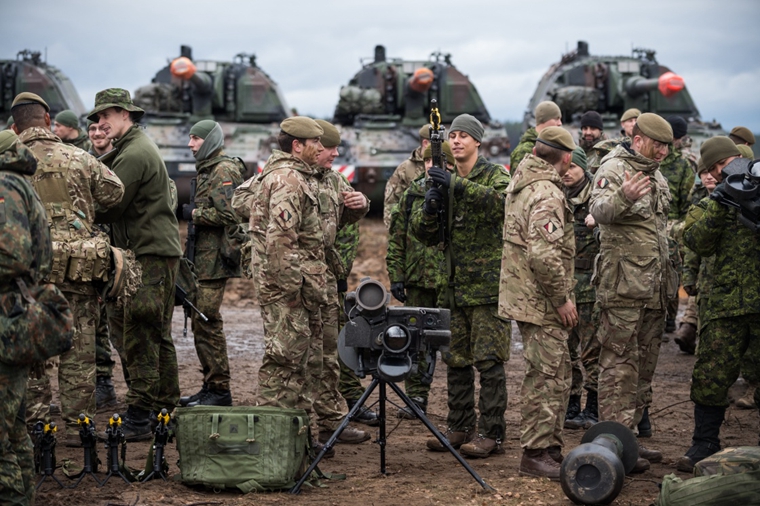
{"x":586,"y":245}
{"x":527,"y":142}
{"x":677,"y":170}
{"x":409,"y":170}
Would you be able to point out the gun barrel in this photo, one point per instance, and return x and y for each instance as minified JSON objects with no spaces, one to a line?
{"x":668,"y":84}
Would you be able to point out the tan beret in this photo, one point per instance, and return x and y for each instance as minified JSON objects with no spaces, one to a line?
{"x":331,"y":137}
{"x":27,"y":98}
{"x":655,"y":127}
{"x":7,"y":138}
{"x":744,"y":134}
{"x":630,"y":114}
{"x":746,"y":151}
{"x":428,"y":153}
{"x":717,"y":148}
{"x":546,"y":111}
{"x":557,"y":137}
{"x":425,"y":131}
{"x":301,"y":127}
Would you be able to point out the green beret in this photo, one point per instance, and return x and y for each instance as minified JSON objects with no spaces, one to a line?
{"x":7,"y":138}
{"x":446,"y":147}
{"x":67,"y":118}
{"x":630,"y":114}
{"x":425,"y":131}
{"x":579,"y":158}
{"x":715,"y":149}
{"x":301,"y":127}
{"x":9,"y":122}
{"x":203,"y":128}
{"x":114,"y":97}
{"x":557,"y":137}
{"x":546,"y":111}
{"x":655,"y":127}
{"x":746,"y":151}
{"x":27,"y":98}
{"x":468,"y":124}
{"x":744,"y":134}
{"x":331,"y":137}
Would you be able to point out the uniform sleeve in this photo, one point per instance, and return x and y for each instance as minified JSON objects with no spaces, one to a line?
{"x":490,"y":198}
{"x":546,"y":228}
{"x":242,"y":199}
{"x":687,"y":183}
{"x":394,"y":188}
{"x":690,"y":269}
{"x":106,"y":187}
{"x":608,"y":202}
{"x":347,"y":243}
{"x":704,"y":227}
{"x":130,"y":174}
{"x":16,"y":244}
{"x":348,"y":216}
{"x":520,"y":152}
{"x":396,"y":257}
{"x":218,"y":211}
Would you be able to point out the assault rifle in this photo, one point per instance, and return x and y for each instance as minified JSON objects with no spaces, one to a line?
{"x":437,"y":136}
{"x":182,"y":295}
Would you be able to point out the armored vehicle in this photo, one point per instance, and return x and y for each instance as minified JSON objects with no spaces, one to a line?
{"x":29,"y":73}
{"x":610,"y":85}
{"x":384,"y":105}
{"x":245,"y":101}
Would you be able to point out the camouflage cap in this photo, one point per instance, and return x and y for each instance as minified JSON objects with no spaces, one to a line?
{"x":630,"y":114}
{"x":546,"y":111}
{"x":27,"y":98}
{"x":446,"y":147}
{"x":114,"y":97}
{"x":746,"y":151}
{"x":655,"y":127}
{"x":715,"y":149}
{"x":579,"y":158}
{"x":557,"y":137}
{"x":67,"y":118}
{"x":469,"y":124}
{"x":301,"y":127}
{"x":425,"y":131}
{"x":7,"y":138}
{"x":331,"y":137}
{"x":744,"y":134}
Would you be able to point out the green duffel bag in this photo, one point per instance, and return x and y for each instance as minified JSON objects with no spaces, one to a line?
{"x":243,"y":447}
{"x":715,"y":490}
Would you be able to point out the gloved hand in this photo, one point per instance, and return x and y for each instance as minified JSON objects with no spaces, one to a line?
{"x":342,"y":286}
{"x":440,"y":177}
{"x":187,"y":211}
{"x":691,"y":290}
{"x":433,"y":199}
{"x":397,"y":289}
{"x":719,"y":194}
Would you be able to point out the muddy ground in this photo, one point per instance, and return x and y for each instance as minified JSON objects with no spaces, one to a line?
{"x":414,"y":475}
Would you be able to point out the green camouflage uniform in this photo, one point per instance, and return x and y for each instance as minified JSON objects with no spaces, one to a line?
{"x":289,"y":274}
{"x":82,"y":141}
{"x":145,"y":223}
{"x":416,"y":265}
{"x":634,"y":281}
{"x":536,"y":278}
{"x":525,"y":148}
{"x":217,"y":178}
{"x":347,"y":242}
{"x":470,"y":288}
{"x":730,"y":320}
{"x":72,"y":185}
{"x":692,"y":262}
{"x":402,"y":177}
{"x":600,"y":150}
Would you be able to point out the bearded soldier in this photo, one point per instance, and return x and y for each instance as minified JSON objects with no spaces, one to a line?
{"x":66,"y":127}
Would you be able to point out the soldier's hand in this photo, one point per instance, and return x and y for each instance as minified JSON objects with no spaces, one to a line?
{"x":354,"y":200}
{"x":568,"y":314}
{"x":187,"y":211}
{"x":440,"y":176}
{"x":590,"y":221}
{"x":635,"y":187}
{"x":719,"y":195}
{"x":433,"y":199}
{"x":397,"y":289}
{"x":691,"y":290}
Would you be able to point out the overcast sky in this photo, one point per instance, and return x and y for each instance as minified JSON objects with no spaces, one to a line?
{"x":312,"y":48}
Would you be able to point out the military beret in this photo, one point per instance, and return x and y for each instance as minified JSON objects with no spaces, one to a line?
{"x":27,"y":98}
{"x":301,"y":127}
{"x":67,"y":118}
{"x":469,"y":124}
{"x":655,"y":127}
{"x":592,"y":119}
{"x":630,"y":114}
{"x":715,"y":149}
{"x":579,"y":158}
{"x":446,"y":147}
{"x":425,"y":131}
{"x":7,"y":138}
{"x":114,"y":97}
{"x":744,"y":134}
{"x":203,"y":128}
{"x":331,"y":137}
{"x":679,"y":126}
{"x":546,"y":111}
{"x":557,"y":137}
{"x":746,"y":151}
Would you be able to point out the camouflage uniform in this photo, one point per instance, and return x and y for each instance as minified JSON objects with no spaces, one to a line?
{"x":218,"y":176}
{"x":289,"y":273}
{"x":402,"y":177}
{"x":347,"y":243}
{"x":470,"y":288}
{"x":634,"y":280}
{"x":600,"y":150}
{"x":536,"y":277}
{"x":71,"y":184}
{"x":691,"y":267}
{"x":82,"y":141}
{"x":525,"y":148}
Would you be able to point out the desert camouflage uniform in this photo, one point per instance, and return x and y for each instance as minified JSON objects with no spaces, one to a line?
{"x":525,"y":148}
{"x":470,"y":288}
{"x":217,"y":178}
{"x":602,"y":149}
{"x":402,"y":177}
{"x":82,"y":141}
{"x":103,"y":361}
{"x":537,"y":278}
{"x":71,"y":211}
{"x":289,"y":273}
{"x":635,"y":279}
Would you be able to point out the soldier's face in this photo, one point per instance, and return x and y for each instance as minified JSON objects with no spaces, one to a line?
{"x":573,"y":176}
{"x":463,"y":145}
{"x":64,"y":132}
{"x":716,"y":171}
{"x":709,"y":181}
{"x":591,"y":133}
{"x":195,"y":143}
{"x":114,"y":122}
{"x":326,"y":158}
{"x":98,"y":137}
{"x":628,"y":126}
{"x":650,"y":148}
{"x":309,"y":151}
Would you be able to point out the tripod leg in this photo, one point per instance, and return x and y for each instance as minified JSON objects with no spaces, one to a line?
{"x":445,"y":442}
{"x":381,"y":416}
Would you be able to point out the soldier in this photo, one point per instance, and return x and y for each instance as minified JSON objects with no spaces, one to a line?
{"x":413,"y":269}
{"x":405,"y":173}
{"x":627,"y":121}
{"x":100,"y":143}
{"x":577,"y":187}
{"x":547,"y":114}
{"x":592,"y":130}
{"x":536,"y":290}
{"x":143,"y":222}
{"x":71,"y":184}
{"x":602,"y":149}
{"x":66,"y":127}
{"x":215,"y":222}
{"x":731,"y":320}
{"x":742,"y":135}
{"x":630,"y":203}
{"x":474,"y":207}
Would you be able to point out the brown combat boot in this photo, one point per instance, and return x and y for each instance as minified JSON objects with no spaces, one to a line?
{"x":540,"y":464}
{"x":555,"y":452}
{"x":686,"y":338}
{"x":481,"y":447}
{"x":653,"y":456}
{"x":349,"y":436}
{"x":456,"y":437}
{"x":641,"y":466}
{"x":748,"y":400}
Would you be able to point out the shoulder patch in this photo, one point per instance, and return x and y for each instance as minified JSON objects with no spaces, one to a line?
{"x":285,"y":216}
{"x":603,"y":183}
{"x":550,"y":228}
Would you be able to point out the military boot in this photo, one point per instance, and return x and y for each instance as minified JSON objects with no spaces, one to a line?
{"x":456,"y":437}
{"x":364,"y":414}
{"x":408,"y":414}
{"x":212,"y":397}
{"x":540,"y":464}
{"x":317,"y":447}
{"x":136,"y":425}
{"x":686,"y":338}
{"x":670,"y":325}
{"x":349,"y":436}
{"x":555,"y":452}
{"x":591,"y":411}
{"x":105,"y":395}
{"x":652,"y":456}
{"x":482,"y":447}
{"x":574,"y":418}
{"x":706,"y":438}
{"x":184,"y":401}
{"x":748,"y":400}
{"x":640,"y":466}
{"x":645,"y":425}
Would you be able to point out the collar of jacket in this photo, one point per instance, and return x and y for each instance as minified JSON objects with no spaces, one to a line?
{"x":38,"y":134}
{"x":283,"y":160}
{"x":207,"y":164}
{"x":584,"y":194}
{"x":530,"y":170}
{"x":480,"y":165}
{"x":634,"y":159}
{"x":131,"y":133}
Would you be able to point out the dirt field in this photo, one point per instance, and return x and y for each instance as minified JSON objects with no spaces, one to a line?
{"x":414,"y":476}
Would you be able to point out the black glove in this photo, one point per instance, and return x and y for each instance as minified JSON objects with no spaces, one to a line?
{"x":397,"y":289}
{"x":691,"y":290}
{"x":440,"y":177}
{"x":187,"y":211}
{"x":720,"y":196}
{"x":342,"y":286}
{"x":433,"y":199}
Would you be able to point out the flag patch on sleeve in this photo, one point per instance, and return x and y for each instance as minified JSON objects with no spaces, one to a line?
{"x":603,"y":183}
